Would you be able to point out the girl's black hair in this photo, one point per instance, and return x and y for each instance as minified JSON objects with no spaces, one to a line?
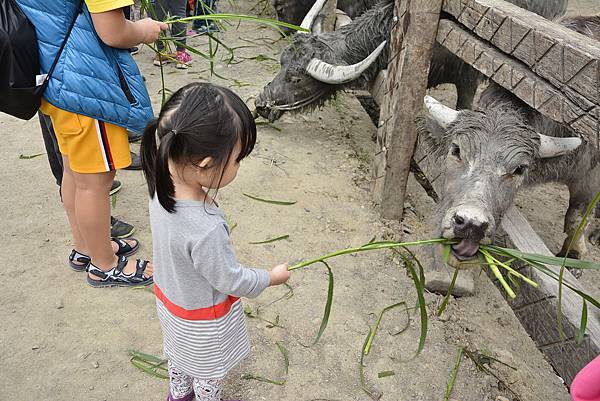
{"x":200,"y":120}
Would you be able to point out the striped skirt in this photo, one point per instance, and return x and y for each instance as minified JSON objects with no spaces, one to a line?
{"x":205,"y":349}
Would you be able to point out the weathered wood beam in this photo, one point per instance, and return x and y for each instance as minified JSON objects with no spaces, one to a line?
{"x":562,"y":105}
{"x":412,"y":41}
{"x":536,"y":307}
{"x":567,"y":60}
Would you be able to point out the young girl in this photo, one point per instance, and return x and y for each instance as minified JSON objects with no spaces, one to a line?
{"x":204,"y":131}
{"x":586,"y":385}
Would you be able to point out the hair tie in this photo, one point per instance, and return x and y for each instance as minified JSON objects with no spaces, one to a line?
{"x":174,"y":131}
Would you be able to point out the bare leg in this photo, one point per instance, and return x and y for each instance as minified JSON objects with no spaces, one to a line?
{"x":92,"y":219}
{"x":92,"y":213}
{"x":68,"y":197}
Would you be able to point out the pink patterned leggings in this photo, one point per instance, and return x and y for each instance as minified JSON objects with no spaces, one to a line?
{"x":586,"y":385}
{"x":183,"y":387}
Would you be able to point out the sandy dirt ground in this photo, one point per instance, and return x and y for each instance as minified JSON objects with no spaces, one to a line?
{"x":62,"y":340}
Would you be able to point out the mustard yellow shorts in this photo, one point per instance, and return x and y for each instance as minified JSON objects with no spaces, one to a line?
{"x":91,"y":146}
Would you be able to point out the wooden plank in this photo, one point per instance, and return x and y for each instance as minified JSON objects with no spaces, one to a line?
{"x":565,"y":105}
{"x":536,"y":309}
{"x":563,"y":57}
{"x":412,"y":41}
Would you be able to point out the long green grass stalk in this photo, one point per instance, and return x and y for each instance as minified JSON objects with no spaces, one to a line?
{"x":450,"y":385}
{"x":372,"y":246}
{"x":149,"y":364}
{"x":375,"y":328}
{"x":28,"y":157}
{"x":286,"y":366}
{"x":268,"y":241}
{"x":328,"y":304}
{"x":366,"y":348}
{"x":271,"y":201}
{"x":578,"y":232}
{"x":448,"y":294}
{"x":270,"y":324}
{"x":371,"y":392}
{"x":238,"y":17}
{"x":419,"y":281}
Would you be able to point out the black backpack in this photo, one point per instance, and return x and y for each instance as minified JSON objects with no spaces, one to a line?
{"x":20,"y":94}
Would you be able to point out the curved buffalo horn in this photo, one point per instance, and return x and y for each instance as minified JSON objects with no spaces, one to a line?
{"x":340,"y":74}
{"x":312,"y":14}
{"x":441,"y":113}
{"x":551,"y":146}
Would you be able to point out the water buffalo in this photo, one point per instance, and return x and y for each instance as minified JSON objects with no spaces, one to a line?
{"x":315,"y":66}
{"x":488,"y":155}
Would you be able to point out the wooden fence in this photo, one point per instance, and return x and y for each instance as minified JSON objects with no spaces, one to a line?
{"x":552,"y":69}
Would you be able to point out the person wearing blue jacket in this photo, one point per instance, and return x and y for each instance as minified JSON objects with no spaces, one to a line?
{"x":94,"y":96}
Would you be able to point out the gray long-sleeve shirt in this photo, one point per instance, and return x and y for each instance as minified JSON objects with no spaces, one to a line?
{"x":197,"y":282}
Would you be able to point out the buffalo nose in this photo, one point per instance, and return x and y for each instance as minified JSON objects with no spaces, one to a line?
{"x":467,"y":227}
{"x":259,"y":102}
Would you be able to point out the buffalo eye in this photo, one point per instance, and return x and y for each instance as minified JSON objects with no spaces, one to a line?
{"x":521,"y":169}
{"x":455,"y":150}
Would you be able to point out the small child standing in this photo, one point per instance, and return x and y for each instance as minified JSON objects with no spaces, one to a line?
{"x":204,"y":132}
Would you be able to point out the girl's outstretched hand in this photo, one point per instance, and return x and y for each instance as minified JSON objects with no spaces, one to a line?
{"x":279,"y":274}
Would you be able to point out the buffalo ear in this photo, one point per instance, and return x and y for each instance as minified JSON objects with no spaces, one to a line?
{"x":433,"y":139}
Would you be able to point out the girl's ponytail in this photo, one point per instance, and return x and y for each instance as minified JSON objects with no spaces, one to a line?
{"x":155,"y":163}
{"x":165,"y":190}
{"x":148,"y":150}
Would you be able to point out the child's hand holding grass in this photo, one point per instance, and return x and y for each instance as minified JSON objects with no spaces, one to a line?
{"x":279,"y":275}
{"x":150,"y":29}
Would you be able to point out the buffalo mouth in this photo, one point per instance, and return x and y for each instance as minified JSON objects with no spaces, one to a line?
{"x":273,"y":112}
{"x":466,"y":249}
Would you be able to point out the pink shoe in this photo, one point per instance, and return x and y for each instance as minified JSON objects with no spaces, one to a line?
{"x":183,"y":59}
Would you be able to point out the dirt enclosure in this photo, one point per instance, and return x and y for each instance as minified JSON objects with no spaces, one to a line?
{"x":62,"y":340}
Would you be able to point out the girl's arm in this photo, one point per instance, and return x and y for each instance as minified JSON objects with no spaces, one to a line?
{"x":215,"y":259}
{"x":116,"y":31}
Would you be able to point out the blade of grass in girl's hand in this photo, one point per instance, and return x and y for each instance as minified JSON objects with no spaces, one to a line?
{"x":448,"y":294}
{"x":499,"y":276}
{"x":239,"y":17}
{"x":271,"y":201}
{"x":420,"y":288}
{"x":327,"y":311}
{"x":376,"y":327}
{"x":367,"y":247}
{"x":268,"y":241}
{"x":548,"y":260}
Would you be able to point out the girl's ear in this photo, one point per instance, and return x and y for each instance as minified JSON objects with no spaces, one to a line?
{"x":206,"y":162}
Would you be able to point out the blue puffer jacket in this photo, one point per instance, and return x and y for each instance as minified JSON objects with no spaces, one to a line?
{"x":90,"y":78}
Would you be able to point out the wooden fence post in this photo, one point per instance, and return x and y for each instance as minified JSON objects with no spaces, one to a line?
{"x":412,"y":42}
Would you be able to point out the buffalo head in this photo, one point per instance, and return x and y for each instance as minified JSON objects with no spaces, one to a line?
{"x":312,"y":69}
{"x":487,"y":156}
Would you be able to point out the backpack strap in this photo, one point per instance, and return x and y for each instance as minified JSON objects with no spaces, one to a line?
{"x":63,"y":44}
